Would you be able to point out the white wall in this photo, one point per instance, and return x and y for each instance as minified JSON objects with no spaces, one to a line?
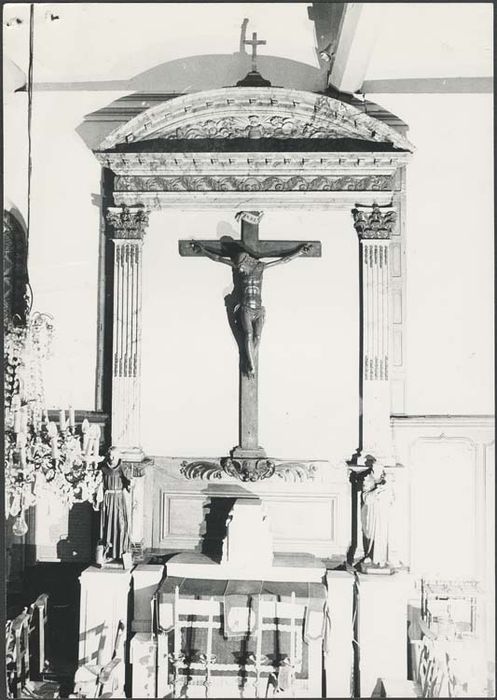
{"x":63,"y":251}
{"x":449,"y":220}
{"x":449,"y":252}
{"x":308,"y":354}
{"x":449,"y":345}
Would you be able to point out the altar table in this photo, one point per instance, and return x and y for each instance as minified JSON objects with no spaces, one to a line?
{"x":231,"y":608}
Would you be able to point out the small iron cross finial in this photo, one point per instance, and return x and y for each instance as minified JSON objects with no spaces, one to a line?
{"x":254,"y":43}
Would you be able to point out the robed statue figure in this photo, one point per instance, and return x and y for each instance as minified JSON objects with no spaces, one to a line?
{"x":377,"y":500}
{"x":114,"y":509}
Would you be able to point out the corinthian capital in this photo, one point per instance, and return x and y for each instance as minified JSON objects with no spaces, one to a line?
{"x":374,"y":221}
{"x":127,"y":222}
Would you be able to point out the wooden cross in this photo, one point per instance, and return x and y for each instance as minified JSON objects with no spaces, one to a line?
{"x":254,"y":43}
{"x":245,"y":309}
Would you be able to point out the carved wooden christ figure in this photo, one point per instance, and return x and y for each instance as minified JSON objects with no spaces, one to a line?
{"x":247,"y":313}
{"x":244,"y":304}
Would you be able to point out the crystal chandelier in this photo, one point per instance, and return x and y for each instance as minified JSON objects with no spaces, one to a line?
{"x":38,"y":453}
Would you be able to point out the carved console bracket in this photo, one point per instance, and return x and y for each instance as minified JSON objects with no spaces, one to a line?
{"x":248,"y":469}
{"x":136,"y":470}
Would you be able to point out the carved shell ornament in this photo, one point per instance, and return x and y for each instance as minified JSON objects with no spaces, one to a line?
{"x":254,"y":113}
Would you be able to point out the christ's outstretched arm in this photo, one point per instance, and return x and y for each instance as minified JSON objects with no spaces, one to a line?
{"x":302,"y":249}
{"x":197,"y":245}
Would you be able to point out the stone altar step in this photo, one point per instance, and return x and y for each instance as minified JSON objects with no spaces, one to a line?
{"x":298,"y":568}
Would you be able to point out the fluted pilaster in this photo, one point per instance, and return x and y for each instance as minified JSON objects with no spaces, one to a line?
{"x":126,"y":229}
{"x":374,"y":225}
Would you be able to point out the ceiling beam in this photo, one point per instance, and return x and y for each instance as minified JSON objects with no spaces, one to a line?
{"x":437,"y":86}
{"x":358,"y":32}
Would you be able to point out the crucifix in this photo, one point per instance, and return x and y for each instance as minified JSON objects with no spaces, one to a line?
{"x":244,"y":308}
{"x":254,"y":43}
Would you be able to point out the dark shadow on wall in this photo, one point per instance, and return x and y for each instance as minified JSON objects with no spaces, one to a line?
{"x":78,"y":545}
{"x":183,"y":75}
{"x":216,"y":516}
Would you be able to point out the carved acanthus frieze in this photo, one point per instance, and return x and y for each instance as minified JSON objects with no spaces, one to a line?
{"x":374,"y":221}
{"x":254,"y":113}
{"x":127,"y":222}
{"x":248,"y":470}
{"x":253,"y":183}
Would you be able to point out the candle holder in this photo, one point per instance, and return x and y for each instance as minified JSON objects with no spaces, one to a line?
{"x":257,"y":660}
{"x":207,"y":661}
{"x":176,"y":659}
{"x":40,"y":456}
{"x":286,"y":674}
{"x":37,"y":453}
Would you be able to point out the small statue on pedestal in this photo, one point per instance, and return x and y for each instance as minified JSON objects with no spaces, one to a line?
{"x":114,"y":509}
{"x":377,"y":500}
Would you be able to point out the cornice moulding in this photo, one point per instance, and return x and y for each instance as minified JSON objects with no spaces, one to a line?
{"x":248,"y":162}
{"x":476,"y":421}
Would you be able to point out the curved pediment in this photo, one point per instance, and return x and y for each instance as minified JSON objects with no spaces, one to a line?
{"x":254,"y":113}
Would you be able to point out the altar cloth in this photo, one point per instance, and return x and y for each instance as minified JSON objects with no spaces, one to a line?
{"x":299,"y":567}
{"x":233,"y":647}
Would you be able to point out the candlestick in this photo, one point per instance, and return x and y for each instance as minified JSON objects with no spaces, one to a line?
{"x":96,"y":434}
{"x":152,"y":616}
{"x":72,"y":417}
{"x":24,"y":419}
{"x":209,"y":658}
{"x":292,"y":644}
{"x":17,"y":421}
{"x":258,"y":648}
{"x":177,"y":630}
{"x":55,"y":449}
{"x":209,"y":630}
{"x":177,"y":657}
{"x":85,"y":425}
{"x":62,"y":419}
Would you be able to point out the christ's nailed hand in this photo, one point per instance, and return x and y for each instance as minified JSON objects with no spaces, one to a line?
{"x":306,"y":248}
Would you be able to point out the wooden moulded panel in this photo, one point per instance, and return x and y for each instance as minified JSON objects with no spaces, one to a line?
{"x":397,"y":346}
{"x":290,"y":519}
{"x":306,"y":515}
{"x":186,"y":516}
{"x":397,"y":306}
{"x":396,"y":259}
{"x":182,"y":522}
